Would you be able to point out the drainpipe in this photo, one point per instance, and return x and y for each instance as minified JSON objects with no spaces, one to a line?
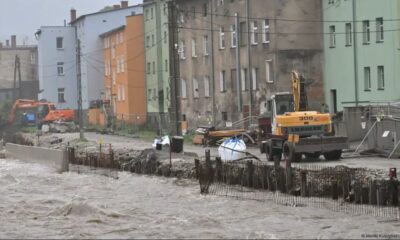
{"x":212,"y":77}
{"x":250,"y":70}
{"x":355,"y":53}
{"x":238,"y":82}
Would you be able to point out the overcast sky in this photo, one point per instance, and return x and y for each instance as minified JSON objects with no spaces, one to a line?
{"x":24,"y":17}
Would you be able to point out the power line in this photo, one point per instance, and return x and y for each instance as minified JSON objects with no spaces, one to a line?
{"x":285,"y":19}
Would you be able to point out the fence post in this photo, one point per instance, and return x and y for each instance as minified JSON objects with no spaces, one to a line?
{"x":345,"y":187}
{"x":364,"y":195}
{"x":372,"y":192}
{"x":357,"y":193}
{"x":381,"y":196}
{"x":303,"y":182}
{"x":197,"y":164}
{"x":270,"y":182}
{"x":335,"y":190}
{"x":394,"y":192}
{"x":219,"y":169}
{"x":250,"y":173}
{"x":289,"y":184}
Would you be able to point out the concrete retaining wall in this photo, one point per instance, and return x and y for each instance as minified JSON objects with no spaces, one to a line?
{"x":57,"y":159}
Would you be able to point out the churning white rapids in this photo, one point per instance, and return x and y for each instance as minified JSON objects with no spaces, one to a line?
{"x":36,"y":202}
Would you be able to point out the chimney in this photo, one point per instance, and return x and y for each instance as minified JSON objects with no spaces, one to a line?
{"x":73,"y":14}
{"x":116,"y":6}
{"x":13,"y":41}
{"x":7,"y":43}
{"x":124,"y":4}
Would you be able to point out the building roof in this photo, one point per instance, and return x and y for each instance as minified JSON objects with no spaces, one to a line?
{"x":112,"y":31}
{"x":100,"y":12}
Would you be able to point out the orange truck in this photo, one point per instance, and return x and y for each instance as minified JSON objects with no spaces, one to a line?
{"x":33,"y":111}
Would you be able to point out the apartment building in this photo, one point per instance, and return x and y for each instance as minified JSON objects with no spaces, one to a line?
{"x":236,"y":54}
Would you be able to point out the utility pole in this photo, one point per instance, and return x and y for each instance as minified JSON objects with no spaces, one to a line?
{"x":79,"y":79}
{"x":17,"y":69}
{"x":174,"y":65}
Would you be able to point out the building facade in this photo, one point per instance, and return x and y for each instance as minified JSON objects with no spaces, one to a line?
{"x":88,"y":28}
{"x":57,"y":66}
{"x":234,"y":55}
{"x":158,"y":56}
{"x":28,"y":68}
{"x":361,"y":52}
{"x":124,"y":75}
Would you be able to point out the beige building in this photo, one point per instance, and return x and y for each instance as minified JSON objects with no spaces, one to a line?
{"x":27,"y":55}
{"x":235,"y":54}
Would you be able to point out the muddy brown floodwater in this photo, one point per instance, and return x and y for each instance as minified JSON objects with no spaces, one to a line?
{"x":36,"y":202}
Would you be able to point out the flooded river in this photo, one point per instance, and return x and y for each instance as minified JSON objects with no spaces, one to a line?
{"x":35,"y":202}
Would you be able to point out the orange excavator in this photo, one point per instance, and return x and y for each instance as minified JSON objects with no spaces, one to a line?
{"x":25,"y":112}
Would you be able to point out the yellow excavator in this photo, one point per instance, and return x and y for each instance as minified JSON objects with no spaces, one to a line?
{"x":296,"y":132}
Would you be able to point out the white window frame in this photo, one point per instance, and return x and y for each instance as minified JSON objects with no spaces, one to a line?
{"x":254,"y":77}
{"x":254,"y":32}
{"x":60,"y":69}
{"x":221,"y":38}
{"x":62,"y":43}
{"x":233,"y":36}
{"x":367,"y":79}
{"x":349,"y":33}
{"x":243,"y":79}
{"x":366,"y":32}
{"x":194,"y":54}
{"x":269,"y":71}
{"x":181,"y":50}
{"x":379,"y":30}
{"x":183,"y":88}
{"x":122,"y":62}
{"x":205,"y":45}
{"x":266,"y":32}
{"x":114,"y":78}
{"x":196,"y":90}
{"x":222,"y":83}
{"x":207,"y":90}
{"x":381,"y":77}
{"x":61,"y":92}
{"x":332,"y":36}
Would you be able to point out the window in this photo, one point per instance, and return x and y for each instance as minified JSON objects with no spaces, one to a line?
{"x":123,"y":92}
{"x":118,"y":66}
{"x":122,"y":62}
{"x":148,"y":68}
{"x":61,"y":95}
{"x":60,"y":69}
{"x":165,"y":37}
{"x":207,"y":87}
{"x":166,"y":65}
{"x":149,"y":95}
{"x":194,"y":12}
{"x":147,"y":14}
{"x":221,"y":38}
{"x":222,"y":81}
{"x":205,"y":45}
{"x":366,"y":32}
{"x":224,"y":116}
{"x":147,"y":41}
{"x":119,"y":93}
{"x":154,"y":67}
{"x":233,"y":36}
{"x":379,"y":30}
{"x":195,"y":88}
{"x":194,"y":54}
{"x":381,"y":78}
{"x":60,"y":43}
{"x":243,"y":79}
{"x":253,"y":32}
{"x":367,"y":79}
{"x":165,"y":9}
{"x":114,"y":78}
{"x":151,"y":13}
{"x":332,"y":37}
{"x":153,"y":42}
{"x":254,"y":76}
{"x":154,"y":94}
{"x":243,"y":33}
{"x":269,"y":71}
{"x":349,"y":37}
{"x":266,"y":38}
{"x":113,"y":51}
{"x":205,"y":9}
{"x":183,"y":88}
{"x":182,"y":50}
{"x":106,"y":68}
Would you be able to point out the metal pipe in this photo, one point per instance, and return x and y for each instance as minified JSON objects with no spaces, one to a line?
{"x":238,"y":78}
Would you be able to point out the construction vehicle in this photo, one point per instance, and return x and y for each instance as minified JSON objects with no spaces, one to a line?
{"x":32,"y":112}
{"x":296,"y":131}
